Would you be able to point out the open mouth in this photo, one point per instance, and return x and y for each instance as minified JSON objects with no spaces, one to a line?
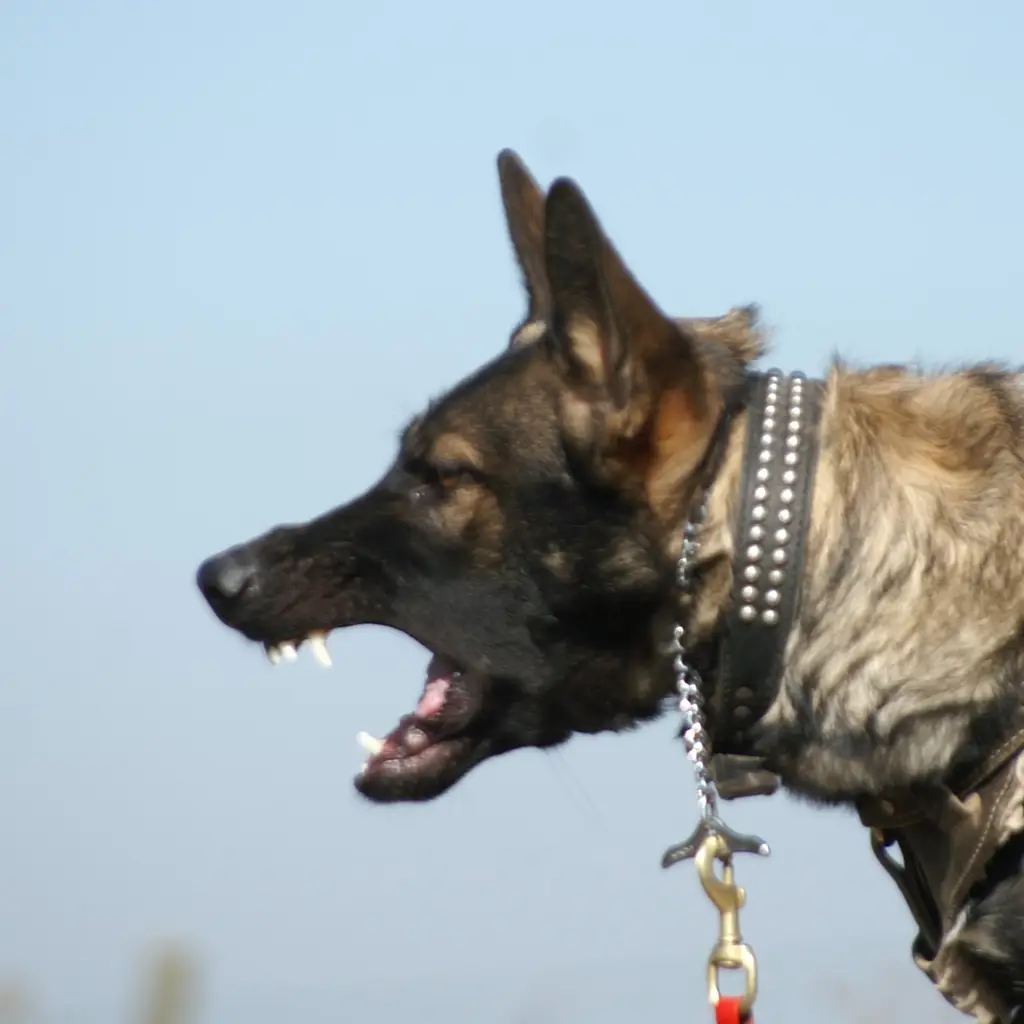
{"x":430,"y":744}
{"x":430,"y":748}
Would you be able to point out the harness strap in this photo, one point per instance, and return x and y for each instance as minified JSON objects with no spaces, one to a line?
{"x":901,"y":808}
{"x":912,"y":885}
{"x":946,"y":836}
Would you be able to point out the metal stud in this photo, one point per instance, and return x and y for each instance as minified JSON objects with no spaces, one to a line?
{"x":793,"y":441}
{"x":786,"y":494}
{"x":776,"y":576}
{"x":758,"y":512}
{"x":790,"y":458}
{"x":763,"y":474}
{"x":782,"y":536}
{"x":750,"y":593}
{"x":764,"y":456}
{"x":793,"y":426}
{"x":767,"y":440}
{"x":760,"y":493}
{"x":771,"y":597}
{"x":769,"y":409}
{"x":752,"y":573}
{"x":785,"y":515}
{"x":747,"y":613}
{"x":769,"y":616}
{"x":754,"y":553}
{"x":788,"y":477}
{"x":756,"y":532}
{"x":779,"y":556}
{"x":768,"y":423}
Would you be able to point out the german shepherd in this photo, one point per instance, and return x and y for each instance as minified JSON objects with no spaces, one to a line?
{"x":528,"y":530}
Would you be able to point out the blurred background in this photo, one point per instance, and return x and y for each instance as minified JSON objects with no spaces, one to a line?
{"x":240,"y":243}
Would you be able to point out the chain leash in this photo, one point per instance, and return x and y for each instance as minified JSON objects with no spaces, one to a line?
{"x":712,"y":841}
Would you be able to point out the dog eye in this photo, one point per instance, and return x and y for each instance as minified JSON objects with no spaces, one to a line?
{"x":449,"y":477}
{"x":441,"y":480}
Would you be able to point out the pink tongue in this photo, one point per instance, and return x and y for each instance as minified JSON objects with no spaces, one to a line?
{"x":433,"y":697}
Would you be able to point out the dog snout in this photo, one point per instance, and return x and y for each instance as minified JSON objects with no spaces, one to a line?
{"x":226,"y":578}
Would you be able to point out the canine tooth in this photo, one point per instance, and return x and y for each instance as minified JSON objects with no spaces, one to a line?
{"x":369,"y":743}
{"x":318,"y":645}
{"x":288,"y":652}
{"x":274,"y":654}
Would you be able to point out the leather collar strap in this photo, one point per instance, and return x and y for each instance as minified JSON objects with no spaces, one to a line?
{"x":771,"y":528}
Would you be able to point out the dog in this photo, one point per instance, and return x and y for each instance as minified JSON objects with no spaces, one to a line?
{"x":527,"y":534}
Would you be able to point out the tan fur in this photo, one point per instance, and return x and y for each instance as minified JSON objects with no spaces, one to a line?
{"x":557,"y":563}
{"x":470,"y":511}
{"x":586,"y":342}
{"x":677,"y":448}
{"x":455,"y":449}
{"x":530,"y":333}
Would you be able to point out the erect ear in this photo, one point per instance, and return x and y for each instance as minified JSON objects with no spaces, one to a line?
{"x":524,"y":214}
{"x":608,"y":333}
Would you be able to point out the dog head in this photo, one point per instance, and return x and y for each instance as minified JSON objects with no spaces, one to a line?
{"x":525,"y":533}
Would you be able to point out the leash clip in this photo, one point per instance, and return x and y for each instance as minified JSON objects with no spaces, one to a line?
{"x":730,"y":952}
{"x":711,"y":827}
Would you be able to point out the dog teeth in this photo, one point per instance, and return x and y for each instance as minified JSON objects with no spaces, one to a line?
{"x":288,"y":651}
{"x":318,"y":645}
{"x":370,"y":744}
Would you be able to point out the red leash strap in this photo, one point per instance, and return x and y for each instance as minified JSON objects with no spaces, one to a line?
{"x":727,"y":1011}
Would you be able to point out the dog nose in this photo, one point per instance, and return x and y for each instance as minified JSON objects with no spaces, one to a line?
{"x":226,"y":577}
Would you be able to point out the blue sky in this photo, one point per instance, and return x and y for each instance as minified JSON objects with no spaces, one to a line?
{"x":239,"y":245}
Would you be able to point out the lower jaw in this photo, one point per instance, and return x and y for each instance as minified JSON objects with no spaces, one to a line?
{"x":395,"y":781}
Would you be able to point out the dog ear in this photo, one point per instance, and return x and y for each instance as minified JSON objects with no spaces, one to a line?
{"x":523,"y":200}
{"x":609,"y":334}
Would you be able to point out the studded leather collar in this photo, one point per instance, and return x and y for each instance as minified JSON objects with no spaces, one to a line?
{"x":772,"y":520}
